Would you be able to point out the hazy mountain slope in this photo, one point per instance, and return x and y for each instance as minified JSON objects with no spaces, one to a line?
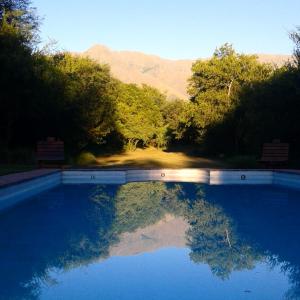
{"x":278,"y":60}
{"x":133,"y":67}
{"x":152,"y":237}
{"x":169,"y":76}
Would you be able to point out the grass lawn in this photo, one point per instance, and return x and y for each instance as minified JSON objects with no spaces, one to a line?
{"x":154,"y":158}
{"x":141,"y":158}
{"x":12,"y":168}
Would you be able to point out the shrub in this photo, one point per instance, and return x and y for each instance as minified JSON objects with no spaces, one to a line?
{"x":86,"y":158}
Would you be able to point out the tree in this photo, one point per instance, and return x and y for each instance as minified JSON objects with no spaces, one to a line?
{"x":269,"y":109}
{"x":176,"y":117}
{"x":139,"y":119}
{"x":18,"y":32}
{"x":215,"y":83}
{"x":89,"y":107}
{"x":295,"y":37}
{"x":17,"y":17}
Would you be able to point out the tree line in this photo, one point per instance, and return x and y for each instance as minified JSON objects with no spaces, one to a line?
{"x":236,"y":103}
{"x":239,"y":103}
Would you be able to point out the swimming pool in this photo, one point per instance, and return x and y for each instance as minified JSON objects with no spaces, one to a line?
{"x":152,"y":240}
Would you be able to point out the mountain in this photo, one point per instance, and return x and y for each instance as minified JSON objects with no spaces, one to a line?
{"x":153,"y":237}
{"x":167,"y":75}
{"x":279,"y":59}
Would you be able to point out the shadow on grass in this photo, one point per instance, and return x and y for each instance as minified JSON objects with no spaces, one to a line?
{"x":154,"y":158}
{"x":189,"y":150}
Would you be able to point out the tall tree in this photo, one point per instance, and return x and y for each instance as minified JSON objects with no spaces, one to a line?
{"x":215,"y":83}
{"x":139,"y":118}
{"x":89,"y":105}
{"x":18,"y":35}
{"x":18,"y":17}
{"x":295,"y":36}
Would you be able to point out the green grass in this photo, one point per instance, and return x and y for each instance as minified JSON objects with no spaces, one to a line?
{"x":149,"y":158}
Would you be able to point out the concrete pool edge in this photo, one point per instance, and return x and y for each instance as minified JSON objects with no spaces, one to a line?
{"x":17,"y":178}
{"x":196,"y":175}
{"x":12,"y":193}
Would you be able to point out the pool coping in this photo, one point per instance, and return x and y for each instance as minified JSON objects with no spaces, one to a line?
{"x":20,"y":177}
{"x":17,"y":187}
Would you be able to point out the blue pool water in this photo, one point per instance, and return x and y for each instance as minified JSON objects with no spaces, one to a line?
{"x":152,"y":240}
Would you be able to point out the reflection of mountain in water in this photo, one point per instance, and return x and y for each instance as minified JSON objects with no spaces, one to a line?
{"x":227,"y":228}
{"x":168,"y":232}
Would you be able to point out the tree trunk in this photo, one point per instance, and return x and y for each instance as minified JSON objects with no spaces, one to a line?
{"x":229,"y":88}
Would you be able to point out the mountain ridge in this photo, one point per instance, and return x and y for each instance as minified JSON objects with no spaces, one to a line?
{"x":167,"y":75}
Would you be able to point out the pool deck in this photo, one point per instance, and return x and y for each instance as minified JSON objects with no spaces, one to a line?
{"x":10,"y":179}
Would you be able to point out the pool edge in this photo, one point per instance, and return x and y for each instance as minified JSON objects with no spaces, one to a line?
{"x":14,"y":192}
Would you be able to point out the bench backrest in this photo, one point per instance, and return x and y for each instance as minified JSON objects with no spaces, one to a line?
{"x":50,"y":150}
{"x":275,"y":152}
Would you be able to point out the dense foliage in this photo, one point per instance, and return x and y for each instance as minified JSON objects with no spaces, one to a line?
{"x":67,"y":96}
{"x":215,"y":84}
{"x":236,"y":103}
{"x":139,"y":117}
{"x":239,"y":103}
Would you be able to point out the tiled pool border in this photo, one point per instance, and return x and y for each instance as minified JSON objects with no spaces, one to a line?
{"x":10,"y":194}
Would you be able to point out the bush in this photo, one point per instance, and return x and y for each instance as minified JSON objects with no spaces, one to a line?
{"x":86,"y":158}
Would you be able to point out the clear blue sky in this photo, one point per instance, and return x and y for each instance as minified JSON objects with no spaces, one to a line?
{"x":173,"y":29}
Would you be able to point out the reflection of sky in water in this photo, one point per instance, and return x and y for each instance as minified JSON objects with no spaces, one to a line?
{"x":164,"y":274}
{"x":152,"y":241}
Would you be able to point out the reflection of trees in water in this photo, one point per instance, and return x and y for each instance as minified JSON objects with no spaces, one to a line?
{"x":55,"y":233}
{"x":142,"y":204}
{"x":213,"y":240}
{"x":68,"y":231}
{"x":292,"y":271}
{"x":211,"y":236}
{"x":271,"y":223}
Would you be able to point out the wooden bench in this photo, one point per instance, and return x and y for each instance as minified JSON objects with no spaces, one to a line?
{"x":50,"y":150}
{"x":275,"y":153}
